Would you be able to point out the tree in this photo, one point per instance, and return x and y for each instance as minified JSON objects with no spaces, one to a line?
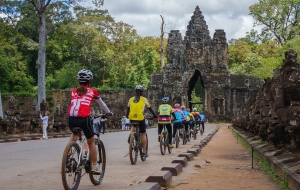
{"x":280,"y":17}
{"x":41,"y":6}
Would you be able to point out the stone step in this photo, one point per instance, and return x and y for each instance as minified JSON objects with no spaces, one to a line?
{"x":188,"y":156}
{"x":181,"y":160}
{"x":174,"y":168}
{"x":147,"y":186}
{"x":194,"y":151}
{"x":163,"y":178}
{"x":26,"y":138}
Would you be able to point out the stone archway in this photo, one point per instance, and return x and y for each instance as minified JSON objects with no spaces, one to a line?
{"x":198,"y":56}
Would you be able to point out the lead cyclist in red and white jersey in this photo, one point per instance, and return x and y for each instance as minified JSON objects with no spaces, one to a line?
{"x":79,"y":112}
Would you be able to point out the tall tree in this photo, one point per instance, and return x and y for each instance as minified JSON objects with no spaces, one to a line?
{"x":280,"y":17}
{"x":40,"y":6}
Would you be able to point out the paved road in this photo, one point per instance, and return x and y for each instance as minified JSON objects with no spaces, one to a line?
{"x":36,"y":164}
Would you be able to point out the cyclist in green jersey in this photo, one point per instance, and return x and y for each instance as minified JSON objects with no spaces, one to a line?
{"x":164,"y":118}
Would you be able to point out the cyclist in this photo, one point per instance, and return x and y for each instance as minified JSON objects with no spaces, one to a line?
{"x":192,"y":119}
{"x":179,"y":117}
{"x":164,"y":118}
{"x":187,"y":120}
{"x":202,"y":120}
{"x":79,"y":113}
{"x":196,"y":117}
{"x":135,"y":112}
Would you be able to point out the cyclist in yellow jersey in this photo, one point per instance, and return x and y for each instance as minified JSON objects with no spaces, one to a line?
{"x":164,"y":118}
{"x":135,"y":112}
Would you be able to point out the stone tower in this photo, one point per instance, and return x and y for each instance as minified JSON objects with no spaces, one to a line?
{"x":197,"y":56}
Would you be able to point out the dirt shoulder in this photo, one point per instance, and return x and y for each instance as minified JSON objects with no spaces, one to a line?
{"x":224,"y":164}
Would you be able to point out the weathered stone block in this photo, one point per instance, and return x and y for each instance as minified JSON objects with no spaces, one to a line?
{"x":2,"y":140}
{"x":25,"y":138}
{"x":57,"y":136}
{"x":188,"y":156}
{"x":194,"y":151}
{"x":11,"y":140}
{"x":147,"y":186}
{"x":181,"y":160}
{"x":174,"y":168}
{"x":197,"y":147}
{"x":163,"y":178}
{"x":36,"y":138}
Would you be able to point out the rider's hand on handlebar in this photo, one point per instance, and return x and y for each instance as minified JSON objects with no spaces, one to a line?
{"x":109,"y":114}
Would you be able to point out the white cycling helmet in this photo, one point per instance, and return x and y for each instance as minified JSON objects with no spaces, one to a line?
{"x":194,"y":109}
{"x":84,"y":75}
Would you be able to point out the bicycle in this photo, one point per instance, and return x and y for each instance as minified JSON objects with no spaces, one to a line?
{"x":75,"y":160}
{"x":164,"y":141}
{"x":176,"y":138}
{"x":135,"y":145}
{"x":200,"y":128}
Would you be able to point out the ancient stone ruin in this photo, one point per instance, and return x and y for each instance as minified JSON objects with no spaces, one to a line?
{"x":197,"y":56}
{"x":273,"y":112}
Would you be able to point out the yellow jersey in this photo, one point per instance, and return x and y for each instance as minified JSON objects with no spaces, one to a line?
{"x":137,"y":108}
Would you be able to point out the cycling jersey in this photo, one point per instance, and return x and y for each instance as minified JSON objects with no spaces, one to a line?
{"x":179,"y":116}
{"x":81,"y":105}
{"x":196,"y":115}
{"x":164,"y":116}
{"x":186,"y":115}
{"x":137,"y":108}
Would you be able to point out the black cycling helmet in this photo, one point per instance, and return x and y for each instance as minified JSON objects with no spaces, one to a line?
{"x":165,"y":100}
{"x":139,"y":89}
{"x":84,"y":75}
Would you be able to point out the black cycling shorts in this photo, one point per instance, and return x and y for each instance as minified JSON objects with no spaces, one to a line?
{"x":142,"y":126}
{"x":85,"y":123}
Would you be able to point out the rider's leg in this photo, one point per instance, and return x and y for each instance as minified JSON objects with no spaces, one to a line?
{"x":144,"y":142}
{"x":174,"y":130}
{"x":93,"y":151}
{"x":169,"y":128}
{"x":203,"y":127}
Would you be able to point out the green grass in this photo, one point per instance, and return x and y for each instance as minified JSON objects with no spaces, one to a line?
{"x":263,"y":165}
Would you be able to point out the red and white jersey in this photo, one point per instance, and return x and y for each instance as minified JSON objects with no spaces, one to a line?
{"x":81,"y":105}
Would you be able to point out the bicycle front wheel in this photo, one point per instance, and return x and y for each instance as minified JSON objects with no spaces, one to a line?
{"x":96,"y":179}
{"x":133,"y":149}
{"x":162,"y":144}
{"x":183,"y":137}
{"x":70,"y":173}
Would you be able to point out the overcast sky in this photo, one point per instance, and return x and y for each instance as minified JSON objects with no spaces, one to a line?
{"x":230,"y":15}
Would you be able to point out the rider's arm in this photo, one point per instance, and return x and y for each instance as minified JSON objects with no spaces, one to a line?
{"x":102,"y":105}
{"x":173,"y":114}
{"x":152,"y":111}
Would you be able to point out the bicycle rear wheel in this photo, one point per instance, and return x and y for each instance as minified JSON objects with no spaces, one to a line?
{"x":143,"y":158}
{"x":70,"y":174}
{"x":177,"y":138}
{"x":162,"y":143}
{"x":133,"y":149}
{"x":195,"y":133}
{"x":183,"y":137}
{"x":167,"y":142}
{"x":96,"y":179}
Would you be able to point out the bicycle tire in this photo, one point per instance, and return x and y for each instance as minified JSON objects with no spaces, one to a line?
{"x":195,"y":133}
{"x":133,"y":149}
{"x":177,"y":138}
{"x":141,"y":149}
{"x":162,"y":144}
{"x":96,"y":179}
{"x":167,"y":142}
{"x":69,"y":166}
{"x":183,"y":136}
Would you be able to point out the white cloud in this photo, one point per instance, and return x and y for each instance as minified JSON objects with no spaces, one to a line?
{"x":144,"y":15}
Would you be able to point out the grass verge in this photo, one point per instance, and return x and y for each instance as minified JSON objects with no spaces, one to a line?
{"x":263,"y":165}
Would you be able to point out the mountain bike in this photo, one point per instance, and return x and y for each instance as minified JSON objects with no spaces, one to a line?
{"x":193,"y":133}
{"x":76,"y":163}
{"x":164,"y":141}
{"x":201,"y":128}
{"x":135,"y":144}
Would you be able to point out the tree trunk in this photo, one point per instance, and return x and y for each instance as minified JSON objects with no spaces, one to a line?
{"x":1,"y":110}
{"x":162,"y":43}
{"x":41,"y":61}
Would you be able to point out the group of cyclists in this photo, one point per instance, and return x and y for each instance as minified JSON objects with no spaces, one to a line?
{"x":81,"y":102}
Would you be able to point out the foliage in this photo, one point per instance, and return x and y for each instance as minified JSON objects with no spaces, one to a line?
{"x":279,"y":17}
